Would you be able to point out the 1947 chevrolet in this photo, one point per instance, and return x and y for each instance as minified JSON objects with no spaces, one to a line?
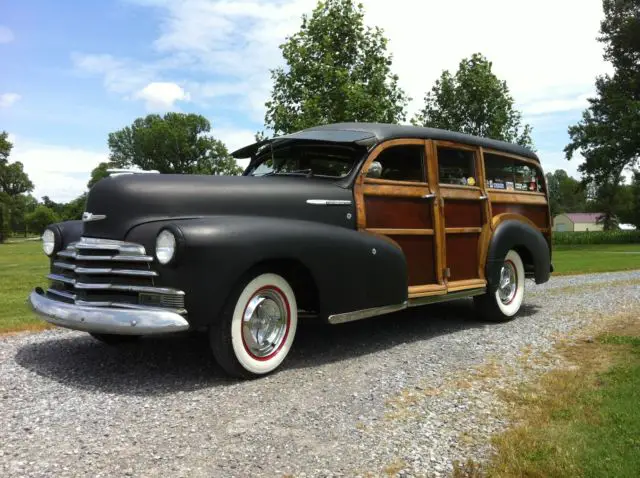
{"x":343,"y":221}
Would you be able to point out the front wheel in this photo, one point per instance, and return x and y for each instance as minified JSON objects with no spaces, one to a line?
{"x":257,"y":327}
{"x":504,"y":304}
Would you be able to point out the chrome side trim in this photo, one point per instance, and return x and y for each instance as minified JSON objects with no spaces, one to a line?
{"x":89,"y":217}
{"x":329,"y":202}
{"x":365,"y":313}
{"x":387,"y":309}
{"x":433,"y":299}
{"x":106,"y":320}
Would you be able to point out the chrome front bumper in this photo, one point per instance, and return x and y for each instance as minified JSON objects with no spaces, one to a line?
{"x":106,"y":320}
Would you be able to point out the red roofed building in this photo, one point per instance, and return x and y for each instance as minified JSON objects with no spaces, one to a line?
{"x":577,"y":222}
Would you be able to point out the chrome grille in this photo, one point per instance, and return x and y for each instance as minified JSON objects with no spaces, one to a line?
{"x":107,"y":273}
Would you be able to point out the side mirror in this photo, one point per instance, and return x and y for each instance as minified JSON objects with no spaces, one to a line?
{"x":375,"y":170}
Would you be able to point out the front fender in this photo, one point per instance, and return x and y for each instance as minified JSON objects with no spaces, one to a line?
{"x":514,"y":234}
{"x":352,"y":270}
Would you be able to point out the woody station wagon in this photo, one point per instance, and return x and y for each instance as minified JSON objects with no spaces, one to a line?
{"x":344,"y":221}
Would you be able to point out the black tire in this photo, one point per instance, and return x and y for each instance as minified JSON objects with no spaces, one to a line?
{"x":495,"y":307}
{"x":226,"y":335}
{"x":114,"y":339}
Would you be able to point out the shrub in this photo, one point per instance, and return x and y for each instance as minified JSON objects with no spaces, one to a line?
{"x":596,"y":237}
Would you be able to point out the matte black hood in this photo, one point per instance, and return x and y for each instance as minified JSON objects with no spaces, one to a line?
{"x":132,"y":199}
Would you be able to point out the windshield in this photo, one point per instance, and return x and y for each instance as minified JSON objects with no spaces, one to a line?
{"x":304,"y":159}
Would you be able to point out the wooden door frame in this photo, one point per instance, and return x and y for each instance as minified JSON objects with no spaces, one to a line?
{"x":463,"y":192}
{"x":390,"y":188}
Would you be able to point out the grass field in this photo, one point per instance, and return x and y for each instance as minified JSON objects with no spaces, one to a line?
{"x":23,"y":266}
{"x":581,"y":421}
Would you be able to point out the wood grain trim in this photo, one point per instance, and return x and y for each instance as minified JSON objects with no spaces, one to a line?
{"x":467,"y":193}
{"x":391,"y":182}
{"x":438,"y":212}
{"x":451,"y":144}
{"x":483,"y":249}
{"x":510,"y":216}
{"x":517,"y":198}
{"x":361,"y":215}
{"x":463,"y":230}
{"x":427,"y":290}
{"x":466,"y":284}
{"x":485,"y":235}
{"x":401,"y":232}
{"x":396,"y":191}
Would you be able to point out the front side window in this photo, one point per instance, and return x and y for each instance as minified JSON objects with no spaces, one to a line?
{"x":456,"y":166}
{"x":399,"y":163}
{"x":305,"y":159}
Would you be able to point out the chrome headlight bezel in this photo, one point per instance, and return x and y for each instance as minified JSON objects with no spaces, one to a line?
{"x":51,"y":241}
{"x":166,"y":247}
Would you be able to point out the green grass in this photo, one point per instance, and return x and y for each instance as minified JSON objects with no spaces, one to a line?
{"x":587,"y":259}
{"x":23,"y":266}
{"x":583,"y":422}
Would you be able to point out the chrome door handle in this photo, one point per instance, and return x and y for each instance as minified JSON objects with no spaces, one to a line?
{"x":483,"y":198}
{"x":428,"y":196}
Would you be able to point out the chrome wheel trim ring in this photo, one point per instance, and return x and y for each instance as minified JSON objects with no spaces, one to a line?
{"x":508,"y":286}
{"x":265,"y":323}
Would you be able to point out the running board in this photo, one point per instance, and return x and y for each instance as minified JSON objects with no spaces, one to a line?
{"x":388,"y":309}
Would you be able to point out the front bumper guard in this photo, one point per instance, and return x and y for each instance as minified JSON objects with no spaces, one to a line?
{"x":106,"y":320}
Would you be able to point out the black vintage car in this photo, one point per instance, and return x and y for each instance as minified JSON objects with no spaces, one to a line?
{"x":343,"y":221}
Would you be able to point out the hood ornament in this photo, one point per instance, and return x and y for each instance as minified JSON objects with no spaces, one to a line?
{"x":89,"y":217}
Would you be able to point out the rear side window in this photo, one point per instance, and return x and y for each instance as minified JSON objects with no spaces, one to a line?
{"x":512,"y":175}
{"x":401,"y":163}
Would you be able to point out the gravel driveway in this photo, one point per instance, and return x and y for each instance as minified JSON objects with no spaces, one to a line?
{"x":406,"y":393}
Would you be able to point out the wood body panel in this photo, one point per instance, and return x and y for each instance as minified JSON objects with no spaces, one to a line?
{"x":463,"y":256}
{"x":420,"y":253}
{"x":537,"y":214}
{"x":398,"y":213}
{"x":463,"y":213}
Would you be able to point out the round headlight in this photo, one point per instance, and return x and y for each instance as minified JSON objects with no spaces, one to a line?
{"x":48,"y":242}
{"x":165,"y":247}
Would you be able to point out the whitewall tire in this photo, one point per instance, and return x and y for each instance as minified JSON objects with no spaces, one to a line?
{"x":257,"y":327}
{"x":505,"y":303}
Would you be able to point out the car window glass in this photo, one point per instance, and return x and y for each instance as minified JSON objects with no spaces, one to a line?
{"x":511,"y":174}
{"x":401,"y":163}
{"x":456,"y":166}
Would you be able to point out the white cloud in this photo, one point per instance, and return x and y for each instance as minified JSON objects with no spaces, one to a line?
{"x":6,"y":35}
{"x":59,"y":172}
{"x":8,"y":99}
{"x":161,"y":96}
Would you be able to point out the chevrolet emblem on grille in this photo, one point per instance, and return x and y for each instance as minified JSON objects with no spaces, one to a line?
{"x":88,"y":217}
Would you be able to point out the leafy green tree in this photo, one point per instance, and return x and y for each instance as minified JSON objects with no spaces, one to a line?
{"x":39,"y":219}
{"x":608,"y":136}
{"x":474,"y":101}
{"x":5,"y":217}
{"x":20,"y":206}
{"x":337,"y":69}
{"x":73,"y":209}
{"x":173,"y":143}
{"x":566,"y":194}
{"x":100,"y":172}
{"x":5,"y":147}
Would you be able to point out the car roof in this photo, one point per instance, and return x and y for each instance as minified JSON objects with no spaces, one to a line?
{"x":374,"y":133}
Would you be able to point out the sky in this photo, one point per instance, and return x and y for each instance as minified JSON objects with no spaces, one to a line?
{"x":74,"y":71}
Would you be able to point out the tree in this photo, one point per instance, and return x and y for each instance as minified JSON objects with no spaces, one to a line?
{"x":13,"y":179}
{"x":99,"y":172}
{"x":566,"y":194}
{"x":608,"y":136}
{"x":337,"y":70}
{"x":174,"y":143}
{"x":474,"y":101}
{"x":5,"y":147}
{"x":39,"y":219}
{"x":73,"y":209}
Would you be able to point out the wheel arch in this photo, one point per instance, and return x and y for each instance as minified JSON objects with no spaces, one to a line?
{"x":527,"y":241}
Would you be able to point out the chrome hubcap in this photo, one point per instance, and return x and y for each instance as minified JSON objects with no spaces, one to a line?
{"x":264,"y":324}
{"x":508,"y":283}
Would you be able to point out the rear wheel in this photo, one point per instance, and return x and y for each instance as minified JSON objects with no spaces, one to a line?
{"x":257,"y":327}
{"x":114,"y":339}
{"x":504,"y":304}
